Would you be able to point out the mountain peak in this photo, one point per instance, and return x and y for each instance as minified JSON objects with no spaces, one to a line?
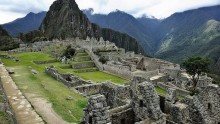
{"x":65,"y":20}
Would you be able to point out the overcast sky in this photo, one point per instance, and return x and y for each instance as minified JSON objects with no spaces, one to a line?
{"x":13,"y":9}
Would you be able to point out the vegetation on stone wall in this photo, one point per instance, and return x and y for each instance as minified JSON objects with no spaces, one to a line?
{"x":69,"y":52}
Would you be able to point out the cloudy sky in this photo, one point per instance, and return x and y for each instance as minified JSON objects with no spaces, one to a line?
{"x":12,"y":9}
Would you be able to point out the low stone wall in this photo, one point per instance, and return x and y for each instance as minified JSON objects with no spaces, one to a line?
{"x":95,"y":60}
{"x":173,"y":73}
{"x":9,"y":57}
{"x":83,"y":65}
{"x":86,"y":70}
{"x":90,"y":89}
{"x":45,"y":62}
{"x":180,"y":92}
{"x":4,"y":105}
{"x":83,"y":58}
{"x":119,"y":72}
{"x":67,"y":79}
{"x":122,"y":114}
{"x":147,"y":73}
{"x":65,"y":67}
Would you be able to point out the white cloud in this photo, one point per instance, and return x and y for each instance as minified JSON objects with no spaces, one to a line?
{"x":12,"y":9}
{"x":156,"y":8}
{"x":9,"y":16}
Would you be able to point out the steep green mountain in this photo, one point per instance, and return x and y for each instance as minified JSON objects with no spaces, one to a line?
{"x":6,"y":42}
{"x":123,"y":22}
{"x":190,"y":33}
{"x":65,"y":20}
{"x":30,"y":22}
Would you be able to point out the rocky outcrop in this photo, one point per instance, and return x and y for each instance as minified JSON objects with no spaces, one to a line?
{"x":66,"y":20}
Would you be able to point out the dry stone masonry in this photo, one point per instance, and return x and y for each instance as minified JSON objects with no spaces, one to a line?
{"x":157,"y":91}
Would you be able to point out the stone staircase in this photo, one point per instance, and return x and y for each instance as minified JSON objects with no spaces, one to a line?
{"x":202,"y":111}
{"x":83,"y":63}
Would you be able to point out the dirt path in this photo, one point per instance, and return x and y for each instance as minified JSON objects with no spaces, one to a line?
{"x":24,"y":113}
{"x":45,"y":109}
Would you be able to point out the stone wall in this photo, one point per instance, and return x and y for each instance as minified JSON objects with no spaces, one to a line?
{"x":179,"y":91}
{"x":97,"y":111}
{"x":122,"y":115}
{"x":4,"y":105}
{"x":178,"y":113}
{"x":83,"y":65}
{"x":197,"y":113}
{"x":204,"y":81}
{"x":95,"y":60}
{"x":150,"y":64}
{"x":67,"y":79}
{"x":83,"y":58}
{"x":171,"y":72}
{"x":145,"y":103}
{"x":86,"y":70}
{"x":45,"y":62}
{"x":147,"y":73}
{"x":115,"y":94}
{"x":66,"y":66}
{"x":119,"y":72}
{"x":210,"y":100}
{"x":89,"y":89}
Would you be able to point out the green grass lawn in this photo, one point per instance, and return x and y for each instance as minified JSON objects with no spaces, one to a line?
{"x":99,"y":76}
{"x":5,"y":118}
{"x":161,"y":91}
{"x":83,"y":54}
{"x":45,"y":86}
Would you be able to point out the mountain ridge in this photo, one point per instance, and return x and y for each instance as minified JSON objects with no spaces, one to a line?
{"x":28,"y":23}
{"x":65,"y":20}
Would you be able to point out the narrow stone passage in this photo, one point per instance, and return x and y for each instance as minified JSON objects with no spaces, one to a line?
{"x":23,"y":110}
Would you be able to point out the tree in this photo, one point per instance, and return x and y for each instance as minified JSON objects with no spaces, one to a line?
{"x":195,"y":66}
{"x":69,"y":52}
{"x":103,"y":60}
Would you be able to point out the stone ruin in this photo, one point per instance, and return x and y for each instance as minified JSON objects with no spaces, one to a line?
{"x":137,"y":102}
{"x":97,"y":111}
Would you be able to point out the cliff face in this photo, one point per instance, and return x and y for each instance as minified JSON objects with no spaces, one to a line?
{"x":122,"y":40}
{"x":65,"y":20}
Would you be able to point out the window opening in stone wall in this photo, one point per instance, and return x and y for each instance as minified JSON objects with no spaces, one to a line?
{"x":209,"y":106}
{"x":90,"y":120}
{"x":141,"y":103}
{"x":68,"y":79}
{"x":122,"y":121}
{"x":162,"y":104}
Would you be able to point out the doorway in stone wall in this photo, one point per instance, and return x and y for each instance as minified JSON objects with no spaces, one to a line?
{"x":123,"y":121}
{"x":162,"y":103}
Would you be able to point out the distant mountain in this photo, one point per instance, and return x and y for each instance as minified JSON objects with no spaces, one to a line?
{"x":28,"y":23}
{"x":123,"y":22}
{"x":6,"y":41}
{"x":65,"y":20}
{"x":190,"y":33}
